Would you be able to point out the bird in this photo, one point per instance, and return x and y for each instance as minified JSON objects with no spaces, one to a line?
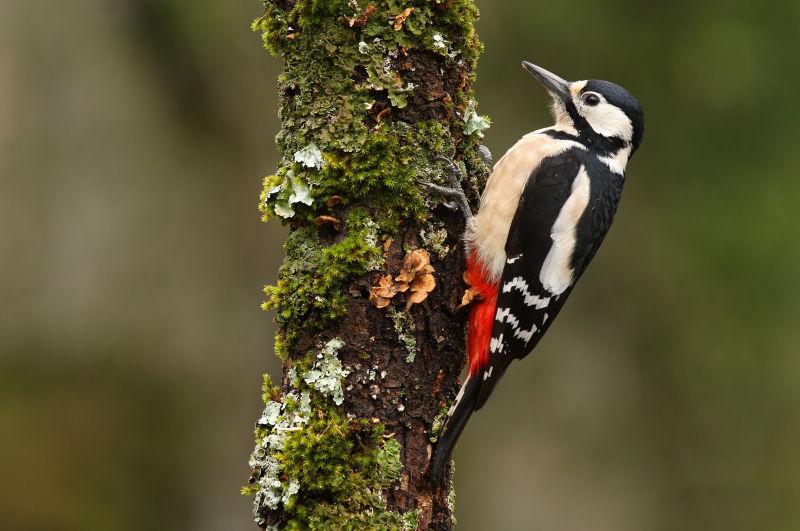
{"x":545,"y":210}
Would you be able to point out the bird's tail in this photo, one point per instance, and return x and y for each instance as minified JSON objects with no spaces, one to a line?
{"x":457,"y":418}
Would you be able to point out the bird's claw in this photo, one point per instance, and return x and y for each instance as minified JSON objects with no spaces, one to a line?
{"x":452,"y":172}
{"x":454,"y":191}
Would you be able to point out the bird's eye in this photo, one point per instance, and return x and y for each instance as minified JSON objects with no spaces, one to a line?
{"x":591,"y":99}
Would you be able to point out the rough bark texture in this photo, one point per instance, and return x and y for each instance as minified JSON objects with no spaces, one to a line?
{"x":372,"y":92}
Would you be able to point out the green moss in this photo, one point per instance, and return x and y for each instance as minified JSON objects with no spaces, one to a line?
{"x":281,"y":348}
{"x":319,"y":456}
{"x":249,"y":490}
{"x":313,"y":274}
{"x":269,"y":392}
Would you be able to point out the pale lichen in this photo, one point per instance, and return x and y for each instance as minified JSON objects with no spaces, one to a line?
{"x":475,"y":123}
{"x":280,"y":194}
{"x":451,"y":495}
{"x":389,"y":465}
{"x":272,"y":429}
{"x":327,"y":373}
{"x":405,"y":329}
{"x":434,"y":239}
{"x":310,"y":157}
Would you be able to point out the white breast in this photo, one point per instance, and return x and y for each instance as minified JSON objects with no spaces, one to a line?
{"x":499,"y":201}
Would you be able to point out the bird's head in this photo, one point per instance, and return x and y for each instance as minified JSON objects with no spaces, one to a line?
{"x":594,"y":108}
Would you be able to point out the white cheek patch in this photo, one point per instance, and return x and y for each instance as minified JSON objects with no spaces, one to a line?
{"x":608,"y":120}
{"x":556,"y":272}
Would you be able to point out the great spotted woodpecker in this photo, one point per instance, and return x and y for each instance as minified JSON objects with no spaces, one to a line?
{"x":544,"y":212}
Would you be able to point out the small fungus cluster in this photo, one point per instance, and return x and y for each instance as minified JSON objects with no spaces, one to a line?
{"x":416,"y":277}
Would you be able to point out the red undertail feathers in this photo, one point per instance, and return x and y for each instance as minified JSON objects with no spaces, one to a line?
{"x":481,"y":317}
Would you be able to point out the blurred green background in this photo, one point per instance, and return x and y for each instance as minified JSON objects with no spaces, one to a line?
{"x":133,"y":137}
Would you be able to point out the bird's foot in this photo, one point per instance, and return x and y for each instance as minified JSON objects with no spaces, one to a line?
{"x":454,"y":191}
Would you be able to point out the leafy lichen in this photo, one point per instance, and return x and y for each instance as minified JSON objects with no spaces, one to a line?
{"x":434,"y":239}
{"x":475,"y":124}
{"x":389,"y":465}
{"x":327,"y":373}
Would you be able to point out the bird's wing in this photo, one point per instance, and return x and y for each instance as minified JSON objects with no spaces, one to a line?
{"x":525,"y":306}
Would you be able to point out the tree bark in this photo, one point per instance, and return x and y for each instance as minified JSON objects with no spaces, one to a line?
{"x":368,"y":299}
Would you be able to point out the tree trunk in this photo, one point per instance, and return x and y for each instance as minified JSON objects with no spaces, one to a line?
{"x":368,"y":299}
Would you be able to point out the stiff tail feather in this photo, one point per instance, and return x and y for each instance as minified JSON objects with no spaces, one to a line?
{"x":479,"y":334}
{"x":457,"y":418}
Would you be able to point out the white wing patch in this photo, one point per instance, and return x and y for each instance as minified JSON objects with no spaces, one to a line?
{"x":556,"y":273}
{"x":530,"y":299}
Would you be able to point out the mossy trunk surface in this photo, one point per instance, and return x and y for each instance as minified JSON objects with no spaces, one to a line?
{"x":368,"y":299}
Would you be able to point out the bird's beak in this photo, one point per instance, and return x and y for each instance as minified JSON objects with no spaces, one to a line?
{"x":558,"y":87}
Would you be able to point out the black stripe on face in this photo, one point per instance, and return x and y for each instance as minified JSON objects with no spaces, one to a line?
{"x":602,"y":145}
{"x":560,"y":135}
